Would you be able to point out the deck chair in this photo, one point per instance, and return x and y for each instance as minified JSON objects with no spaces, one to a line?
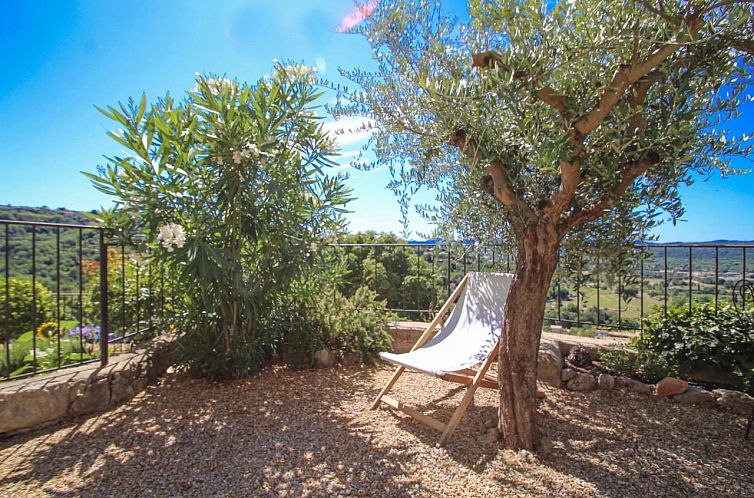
{"x":468,"y":338}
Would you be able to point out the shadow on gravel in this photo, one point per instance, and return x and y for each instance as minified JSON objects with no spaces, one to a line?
{"x":647,"y":445}
{"x":471,"y":445}
{"x":311,"y":433}
{"x":280,"y":432}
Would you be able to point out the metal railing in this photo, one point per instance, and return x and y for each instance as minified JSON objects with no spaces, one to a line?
{"x":416,"y":278}
{"x":96,"y":296}
{"x":70,"y":296}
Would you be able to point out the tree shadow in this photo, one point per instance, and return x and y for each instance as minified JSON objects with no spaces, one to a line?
{"x":471,"y":445}
{"x":311,"y":433}
{"x":624,"y":444}
{"x":275,"y":433}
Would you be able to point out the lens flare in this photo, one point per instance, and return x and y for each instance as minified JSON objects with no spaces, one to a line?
{"x":354,"y":18}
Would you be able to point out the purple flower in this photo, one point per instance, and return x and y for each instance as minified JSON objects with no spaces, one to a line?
{"x":87,"y":332}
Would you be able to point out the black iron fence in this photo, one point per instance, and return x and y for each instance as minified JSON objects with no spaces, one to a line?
{"x":70,"y":296}
{"x":416,"y":278}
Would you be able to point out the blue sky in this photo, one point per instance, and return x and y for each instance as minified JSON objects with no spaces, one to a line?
{"x":59,"y":59}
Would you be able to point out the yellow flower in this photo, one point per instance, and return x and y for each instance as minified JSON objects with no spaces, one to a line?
{"x":47,"y":330}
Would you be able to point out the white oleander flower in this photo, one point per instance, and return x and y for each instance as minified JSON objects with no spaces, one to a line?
{"x":172,"y":236}
{"x":216,"y":85}
{"x":252,"y":149}
{"x":301,"y":72}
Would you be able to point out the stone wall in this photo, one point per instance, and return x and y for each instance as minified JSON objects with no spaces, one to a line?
{"x":405,"y":335}
{"x":71,"y":392}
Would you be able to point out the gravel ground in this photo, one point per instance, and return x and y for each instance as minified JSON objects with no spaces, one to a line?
{"x":311,"y":433}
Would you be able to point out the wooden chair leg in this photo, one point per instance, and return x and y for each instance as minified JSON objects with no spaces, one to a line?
{"x":388,"y":386}
{"x":467,"y":398}
{"x":457,"y":415}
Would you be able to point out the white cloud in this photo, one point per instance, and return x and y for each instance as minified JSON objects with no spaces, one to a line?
{"x":350,"y":133}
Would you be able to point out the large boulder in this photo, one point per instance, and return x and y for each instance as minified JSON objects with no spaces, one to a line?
{"x":735,"y":401}
{"x":550,"y":363}
{"x":695,"y":396}
{"x":670,"y":386}
{"x":583,"y":382}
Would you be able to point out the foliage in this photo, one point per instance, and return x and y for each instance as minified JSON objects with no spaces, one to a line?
{"x":526,"y":104}
{"x":402,"y":275}
{"x":356,"y":324}
{"x":22,"y":357}
{"x":644,"y":365}
{"x":23,"y":315}
{"x":329,"y":319}
{"x":704,"y":339}
{"x":228,"y":186}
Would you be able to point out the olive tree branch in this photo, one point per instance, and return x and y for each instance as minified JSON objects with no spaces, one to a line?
{"x":629,"y":173}
{"x":500,"y":187}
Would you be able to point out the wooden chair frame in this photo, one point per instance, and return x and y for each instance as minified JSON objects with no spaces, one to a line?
{"x":473,"y":378}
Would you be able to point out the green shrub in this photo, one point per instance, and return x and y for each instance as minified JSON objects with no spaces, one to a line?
{"x":356,"y":324}
{"x":22,"y":317}
{"x":342,"y":324}
{"x":620,"y":361}
{"x":703,"y":338}
{"x":643,"y":365}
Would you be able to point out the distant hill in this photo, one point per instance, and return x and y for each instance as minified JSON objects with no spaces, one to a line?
{"x":45,"y":214}
{"x":20,"y":245}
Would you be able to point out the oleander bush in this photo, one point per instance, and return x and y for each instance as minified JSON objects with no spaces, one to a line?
{"x":230,"y":190}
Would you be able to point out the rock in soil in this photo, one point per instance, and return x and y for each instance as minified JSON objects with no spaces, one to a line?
{"x":606,"y":382}
{"x":583,"y":382}
{"x":670,"y":386}
{"x":636,"y":386}
{"x":550,"y":363}
{"x":567,"y":374}
{"x":695,"y":396}
{"x":735,"y":401}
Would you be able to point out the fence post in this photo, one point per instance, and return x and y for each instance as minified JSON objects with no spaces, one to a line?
{"x":104,"y":334}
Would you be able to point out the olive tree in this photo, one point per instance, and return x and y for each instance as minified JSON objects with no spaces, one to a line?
{"x":550,"y":122}
{"x":229,"y":189}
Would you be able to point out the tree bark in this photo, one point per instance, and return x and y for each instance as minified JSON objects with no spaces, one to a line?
{"x":522,"y":328}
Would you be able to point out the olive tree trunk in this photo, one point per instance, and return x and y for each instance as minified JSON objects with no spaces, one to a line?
{"x":522,"y":328}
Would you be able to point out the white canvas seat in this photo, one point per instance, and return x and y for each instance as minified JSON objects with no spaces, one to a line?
{"x":468,"y":338}
{"x":469,"y":333}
